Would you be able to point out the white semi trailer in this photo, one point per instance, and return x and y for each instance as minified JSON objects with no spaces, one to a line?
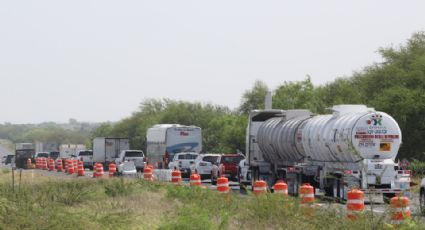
{"x":355,"y":146}
{"x":106,"y":149}
{"x":165,"y":140}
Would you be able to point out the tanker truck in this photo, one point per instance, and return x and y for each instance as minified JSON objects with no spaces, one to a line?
{"x":354,"y":147}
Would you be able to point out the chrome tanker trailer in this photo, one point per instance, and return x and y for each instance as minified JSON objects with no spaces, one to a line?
{"x":355,"y":146}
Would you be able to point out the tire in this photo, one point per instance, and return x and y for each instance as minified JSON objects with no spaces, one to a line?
{"x":213,"y":180}
{"x":422,"y":201}
{"x":387,"y":197}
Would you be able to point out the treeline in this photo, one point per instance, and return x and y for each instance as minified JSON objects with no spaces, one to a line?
{"x":72,"y":132}
{"x":395,"y":86}
{"x":223,"y":130}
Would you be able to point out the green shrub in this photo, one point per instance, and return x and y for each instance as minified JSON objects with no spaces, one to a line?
{"x":119,"y":187}
{"x":417,"y":167}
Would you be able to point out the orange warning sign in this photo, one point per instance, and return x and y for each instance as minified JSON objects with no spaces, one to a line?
{"x":385,"y":147}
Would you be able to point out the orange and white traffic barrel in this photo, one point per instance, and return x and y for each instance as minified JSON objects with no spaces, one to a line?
{"x":223,"y":185}
{"x":176,"y":177}
{"x":355,"y":204}
{"x":195,"y":180}
{"x":260,"y":187}
{"x":307,"y":199}
{"x":281,"y":188}
{"x":148,"y":173}
{"x":81,"y":171}
{"x":400,"y":210}
{"x":45,"y":166}
{"x":70,"y":166}
{"x":75,"y":164}
{"x":99,"y":170}
{"x":59,"y":165}
{"x":307,"y":194}
{"x":112,"y":169}
{"x":65,"y":166}
{"x":51,"y":164}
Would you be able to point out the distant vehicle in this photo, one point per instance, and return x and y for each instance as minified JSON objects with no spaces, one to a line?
{"x":54,"y":155}
{"x":23,"y":152}
{"x":127,"y":168}
{"x":244,"y":176}
{"x":106,"y":150}
{"x":70,"y":150}
{"x":165,"y":140}
{"x":204,"y":164}
{"x":137,"y":156}
{"x":185,"y":162}
{"x":10,"y":159}
{"x":46,"y":146}
{"x":86,"y":156}
{"x":227,"y":165}
{"x":42,"y":154}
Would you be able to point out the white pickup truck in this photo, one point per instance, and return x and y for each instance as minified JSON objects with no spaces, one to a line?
{"x":185,"y":162}
{"x":136,"y":156}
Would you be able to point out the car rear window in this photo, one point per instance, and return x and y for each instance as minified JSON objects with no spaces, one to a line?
{"x":46,"y":155}
{"x":54,"y":154}
{"x":86,"y":153}
{"x":232,"y":159}
{"x":211,"y":159}
{"x":134,"y":154}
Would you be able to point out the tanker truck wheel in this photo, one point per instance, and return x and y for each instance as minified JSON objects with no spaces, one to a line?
{"x":422,"y":201}
{"x":387,"y":197}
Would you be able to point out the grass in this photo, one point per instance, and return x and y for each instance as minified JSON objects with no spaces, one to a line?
{"x":53,"y":203}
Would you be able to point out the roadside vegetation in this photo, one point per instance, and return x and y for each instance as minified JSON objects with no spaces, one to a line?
{"x":52,"y":203}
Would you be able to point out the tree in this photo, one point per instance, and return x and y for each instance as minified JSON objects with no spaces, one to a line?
{"x":254,"y":98}
{"x":296,"y":95}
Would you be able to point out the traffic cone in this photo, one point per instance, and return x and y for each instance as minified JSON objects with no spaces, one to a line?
{"x":112,"y":169}
{"x":80,"y":168}
{"x":195,"y":180}
{"x":260,"y":187}
{"x":60,"y":166}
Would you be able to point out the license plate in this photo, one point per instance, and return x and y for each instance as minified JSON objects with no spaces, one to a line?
{"x":379,"y":167}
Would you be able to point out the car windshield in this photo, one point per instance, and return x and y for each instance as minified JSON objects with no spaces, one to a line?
{"x":232,"y":159}
{"x":46,"y":155}
{"x":187,"y":156}
{"x":134,"y":154}
{"x":211,"y":159}
{"x":85,"y":153}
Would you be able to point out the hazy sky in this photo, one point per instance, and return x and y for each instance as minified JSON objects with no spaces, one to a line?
{"x":97,"y":60}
